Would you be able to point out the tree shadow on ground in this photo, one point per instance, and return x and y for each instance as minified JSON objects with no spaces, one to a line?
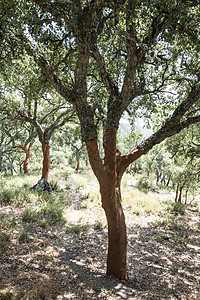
{"x":163,"y":263}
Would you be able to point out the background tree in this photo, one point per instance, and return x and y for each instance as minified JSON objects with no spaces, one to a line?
{"x":27,"y":149}
{"x":185,"y":151}
{"x":29,"y":99}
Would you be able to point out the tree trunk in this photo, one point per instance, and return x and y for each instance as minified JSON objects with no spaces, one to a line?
{"x":46,"y":161}
{"x":186,"y":194}
{"x":135,"y":167}
{"x":180,"y":194}
{"x":163,"y":178}
{"x":157,"y":177}
{"x":11,"y":167}
{"x":28,"y":155}
{"x":77,"y":165}
{"x":177,"y":188}
{"x":117,"y":238}
{"x":27,"y":159}
{"x":168,"y":181}
{"x":109,"y":176}
{"x":1,"y":160}
{"x":77,"y":159}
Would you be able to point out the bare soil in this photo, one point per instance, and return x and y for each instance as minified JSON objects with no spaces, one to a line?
{"x":163,"y":259}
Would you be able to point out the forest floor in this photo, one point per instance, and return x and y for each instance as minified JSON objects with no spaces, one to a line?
{"x":68,"y":260}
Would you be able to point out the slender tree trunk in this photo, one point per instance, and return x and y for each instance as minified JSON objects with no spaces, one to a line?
{"x":28,"y":155}
{"x":77,"y":160}
{"x":1,"y":160}
{"x":46,"y":161}
{"x":77,"y":165}
{"x":157,"y":177}
{"x":163,"y":178}
{"x":186,"y":194}
{"x":20,"y":169}
{"x":109,"y":176}
{"x":11,"y":167}
{"x":168,"y":181}
{"x":180,"y":194}
{"x":27,"y":159}
{"x":177,"y":188}
{"x":135,"y":167}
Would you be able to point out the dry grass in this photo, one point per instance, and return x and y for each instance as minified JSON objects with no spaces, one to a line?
{"x":43,"y":257}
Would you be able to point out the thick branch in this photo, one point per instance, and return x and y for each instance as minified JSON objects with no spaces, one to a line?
{"x":56,"y":124}
{"x":169,"y":129}
{"x":48,"y":72}
{"x":51,"y":112}
{"x":24,"y":148}
{"x":105,"y":76}
{"x":184,"y":107}
{"x":123,"y":161}
{"x":174,"y":124}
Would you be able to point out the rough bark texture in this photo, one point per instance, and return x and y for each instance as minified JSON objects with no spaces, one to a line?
{"x":109,"y":176}
{"x":46,"y":161}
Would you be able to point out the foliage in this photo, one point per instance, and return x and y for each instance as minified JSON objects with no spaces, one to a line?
{"x":144,"y":184}
{"x":78,"y":229}
{"x":4,"y":242}
{"x":49,"y":212}
{"x":176,"y":208}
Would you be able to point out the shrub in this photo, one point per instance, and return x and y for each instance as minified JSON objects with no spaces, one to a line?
{"x":78,"y":229}
{"x":4,"y":242}
{"x":23,"y":237}
{"x":176,"y":208}
{"x":50,"y":212}
{"x":16,"y":195}
{"x":54,"y":185}
{"x":144,"y":185}
{"x":29,"y":215}
{"x":99,"y":226}
{"x":7,"y":196}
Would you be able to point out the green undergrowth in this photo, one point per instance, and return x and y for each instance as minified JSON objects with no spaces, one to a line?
{"x":78,"y":229}
{"x":49,"y":209}
{"x":38,"y":206}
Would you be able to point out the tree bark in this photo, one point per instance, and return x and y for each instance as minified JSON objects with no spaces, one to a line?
{"x":168,"y":181}
{"x":186,"y":194}
{"x":46,"y":161}
{"x":28,"y":155}
{"x":176,"y":196}
{"x":109,"y":176}
{"x":180,"y":194}
{"x":77,"y":165}
{"x":27,"y":159}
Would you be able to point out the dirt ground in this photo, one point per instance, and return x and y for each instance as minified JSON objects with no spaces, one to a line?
{"x":163,"y":260}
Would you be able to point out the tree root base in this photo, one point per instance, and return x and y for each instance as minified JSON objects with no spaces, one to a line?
{"x":43,"y":185}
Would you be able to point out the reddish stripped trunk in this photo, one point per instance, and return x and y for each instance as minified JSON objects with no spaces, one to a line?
{"x":27,"y":159}
{"x":46,"y":161}
{"x":109,"y":176}
{"x":28,"y":155}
